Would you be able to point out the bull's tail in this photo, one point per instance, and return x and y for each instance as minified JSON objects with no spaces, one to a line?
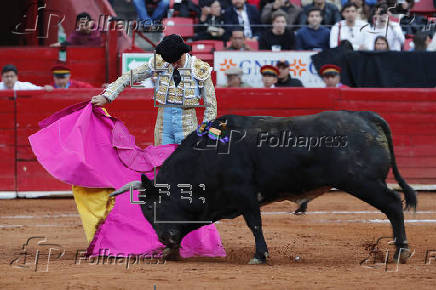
{"x":409,"y":192}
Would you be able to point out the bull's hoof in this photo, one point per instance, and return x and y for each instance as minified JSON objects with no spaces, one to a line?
{"x":171,"y":254}
{"x":403,"y":256}
{"x":302,"y":209}
{"x":256,"y":261}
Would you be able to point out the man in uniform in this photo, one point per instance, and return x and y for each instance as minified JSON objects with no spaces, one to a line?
{"x":331,"y":75}
{"x":181,"y":80}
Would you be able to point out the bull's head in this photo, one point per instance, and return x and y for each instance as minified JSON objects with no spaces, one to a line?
{"x":165,"y":210}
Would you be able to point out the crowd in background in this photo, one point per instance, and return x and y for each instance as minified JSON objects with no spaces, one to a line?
{"x":316,"y":25}
{"x":273,"y":25}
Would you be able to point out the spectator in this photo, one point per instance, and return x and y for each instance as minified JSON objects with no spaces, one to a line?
{"x":245,"y":15}
{"x":85,"y":33}
{"x":368,"y":2}
{"x":329,"y":12}
{"x":411,"y":23}
{"x":158,"y":13}
{"x":331,"y":76}
{"x":381,"y":43}
{"x":381,"y":26}
{"x":186,"y":7}
{"x":269,"y":76}
{"x":285,"y":79}
{"x":234,"y":78}
{"x":237,"y":40}
{"x":211,"y":23}
{"x":290,"y":9}
{"x":348,"y":29}
{"x":313,"y":36}
{"x":279,"y":37}
{"x":346,"y":45}
{"x":363,"y":9}
{"x":10,"y":80}
{"x":421,"y":41}
{"x":62,"y":79}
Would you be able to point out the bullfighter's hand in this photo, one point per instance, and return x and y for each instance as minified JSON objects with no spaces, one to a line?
{"x":98,"y":100}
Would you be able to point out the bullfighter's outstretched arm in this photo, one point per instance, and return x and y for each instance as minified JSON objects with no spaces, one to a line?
{"x":139,"y":74}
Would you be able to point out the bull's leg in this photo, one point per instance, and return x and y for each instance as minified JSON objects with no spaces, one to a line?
{"x":253,"y":219}
{"x":387,"y":201}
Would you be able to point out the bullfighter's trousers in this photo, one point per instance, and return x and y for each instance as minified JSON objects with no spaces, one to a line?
{"x":173,"y":124}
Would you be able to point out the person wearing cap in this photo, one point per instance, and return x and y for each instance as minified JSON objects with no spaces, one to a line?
{"x":234,"y":78}
{"x":270,"y":75}
{"x":62,"y":78}
{"x":285,"y":79}
{"x":331,"y":75}
{"x":177,"y":92}
{"x":10,"y":80}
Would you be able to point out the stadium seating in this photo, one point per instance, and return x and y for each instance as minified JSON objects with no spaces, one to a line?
{"x":179,"y":25}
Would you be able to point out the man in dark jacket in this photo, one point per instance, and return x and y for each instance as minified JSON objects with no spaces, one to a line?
{"x":330,"y":13}
{"x":279,"y":37}
{"x":285,"y":79}
{"x":245,"y":15}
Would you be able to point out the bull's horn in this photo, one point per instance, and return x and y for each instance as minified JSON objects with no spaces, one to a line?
{"x":133,"y":185}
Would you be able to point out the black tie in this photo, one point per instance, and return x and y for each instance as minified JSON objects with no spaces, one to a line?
{"x":176,"y":76}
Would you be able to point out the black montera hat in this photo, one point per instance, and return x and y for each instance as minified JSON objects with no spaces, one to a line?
{"x":172,"y":47}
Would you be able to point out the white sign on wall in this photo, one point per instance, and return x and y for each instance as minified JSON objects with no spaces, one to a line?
{"x":133,"y":60}
{"x":300,"y":66}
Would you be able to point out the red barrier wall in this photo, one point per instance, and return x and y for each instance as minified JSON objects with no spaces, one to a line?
{"x":411,"y":114}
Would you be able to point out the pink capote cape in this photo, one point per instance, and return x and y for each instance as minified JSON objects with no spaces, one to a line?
{"x":81,"y":145}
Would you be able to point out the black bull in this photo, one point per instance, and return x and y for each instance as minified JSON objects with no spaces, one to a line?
{"x":269,"y":159}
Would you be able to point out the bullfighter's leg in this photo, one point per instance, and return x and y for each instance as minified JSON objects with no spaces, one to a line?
{"x":254,"y":221}
{"x":387,"y":201}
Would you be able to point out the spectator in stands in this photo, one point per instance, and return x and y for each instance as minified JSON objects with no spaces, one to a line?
{"x":62,"y":78}
{"x":10,"y":80}
{"x":346,"y":45}
{"x":237,"y":40}
{"x":290,"y":9}
{"x":381,"y":43}
{"x":381,"y":26}
{"x":234,"y":78}
{"x":186,"y":7}
{"x":421,"y":41}
{"x":285,"y":79}
{"x":411,"y":23}
{"x":331,"y":76}
{"x":270,"y":75}
{"x":369,"y":3}
{"x":85,"y":33}
{"x":348,"y":29}
{"x":245,"y":15}
{"x":363,"y":9}
{"x":313,"y":36}
{"x":329,"y":12}
{"x":211,"y":23}
{"x":279,"y":37}
{"x":158,"y":13}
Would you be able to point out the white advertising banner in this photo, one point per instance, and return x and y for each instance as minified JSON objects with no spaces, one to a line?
{"x":133,"y":60}
{"x":300,"y":66}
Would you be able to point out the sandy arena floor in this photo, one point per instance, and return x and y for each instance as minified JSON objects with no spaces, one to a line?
{"x":329,"y":242}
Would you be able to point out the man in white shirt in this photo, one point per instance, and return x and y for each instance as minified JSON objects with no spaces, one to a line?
{"x":10,"y":80}
{"x":348,"y":29}
{"x":391,"y":30}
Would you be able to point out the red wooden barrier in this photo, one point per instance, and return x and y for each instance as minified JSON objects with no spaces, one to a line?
{"x":411,"y":114}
